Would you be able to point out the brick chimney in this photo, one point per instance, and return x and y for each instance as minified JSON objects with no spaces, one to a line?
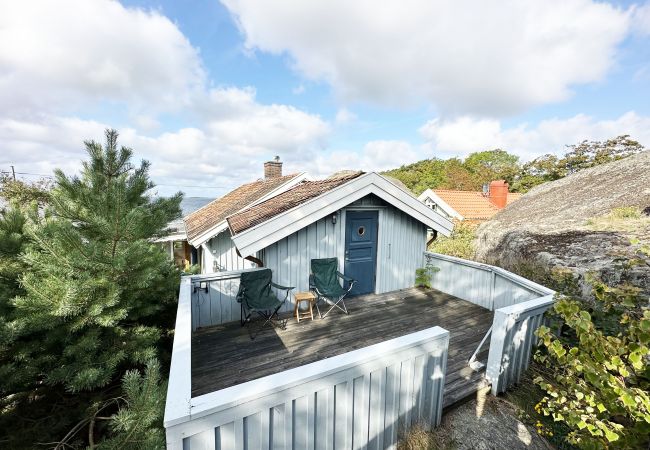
{"x":498,"y":193}
{"x":273,"y":169}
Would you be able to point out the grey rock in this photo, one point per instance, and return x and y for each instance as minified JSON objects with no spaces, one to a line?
{"x":488,"y":423}
{"x":549,"y":228}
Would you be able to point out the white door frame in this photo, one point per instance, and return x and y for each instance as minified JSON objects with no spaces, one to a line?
{"x":380,"y":219}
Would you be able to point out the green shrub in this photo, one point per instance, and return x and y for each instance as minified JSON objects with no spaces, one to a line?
{"x":424,"y":275}
{"x":626,"y":212}
{"x":459,"y":244}
{"x":600,"y":379}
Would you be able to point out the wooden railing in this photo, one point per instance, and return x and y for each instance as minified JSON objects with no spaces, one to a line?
{"x":214,"y":298}
{"x":365,"y":395}
{"x":518,"y":304}
{"x":359,"y":399}
{"x":513,"y":340}
{"x":482,"y":284}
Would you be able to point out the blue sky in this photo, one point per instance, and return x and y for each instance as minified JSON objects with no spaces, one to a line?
{"x":207,"y":91}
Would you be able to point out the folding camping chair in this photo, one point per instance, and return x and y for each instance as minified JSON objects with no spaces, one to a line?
{"x":255,"y":296}
{"x":324,"y":281}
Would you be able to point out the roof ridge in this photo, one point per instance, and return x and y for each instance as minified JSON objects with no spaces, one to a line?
{"x":205,"y":218}
{"x":293,"y":197}
{"x":292,"y":175}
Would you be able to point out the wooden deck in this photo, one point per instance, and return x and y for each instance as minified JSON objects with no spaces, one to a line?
{"x":224,"y":355}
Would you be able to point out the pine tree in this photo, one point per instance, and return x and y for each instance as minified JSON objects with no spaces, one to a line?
{"x":95,"y":273}
{"x":136,"y":425}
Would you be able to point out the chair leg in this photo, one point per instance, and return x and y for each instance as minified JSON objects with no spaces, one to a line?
{"x":268,"y":319}
{"x":336,"y":305}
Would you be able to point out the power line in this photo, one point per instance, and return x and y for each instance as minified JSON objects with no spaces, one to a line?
{"x":157,"y":184}
{"x":190,"y":186}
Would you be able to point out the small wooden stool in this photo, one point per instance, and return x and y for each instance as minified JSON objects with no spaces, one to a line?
{"x":300,"y":297}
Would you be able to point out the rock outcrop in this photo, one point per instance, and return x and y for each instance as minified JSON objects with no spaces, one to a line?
{"x":576,"y":226}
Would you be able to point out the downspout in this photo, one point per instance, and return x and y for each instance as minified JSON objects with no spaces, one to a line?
{"x":433,"y":238}
{"x":250,"y":258}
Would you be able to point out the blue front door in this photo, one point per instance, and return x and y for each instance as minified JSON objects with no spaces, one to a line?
{"x":361,"y":250}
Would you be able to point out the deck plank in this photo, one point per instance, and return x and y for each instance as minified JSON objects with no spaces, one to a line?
{"x":224,"y":355}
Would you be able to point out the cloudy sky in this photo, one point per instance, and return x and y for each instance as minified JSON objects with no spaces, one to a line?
{"x":208,"y":90}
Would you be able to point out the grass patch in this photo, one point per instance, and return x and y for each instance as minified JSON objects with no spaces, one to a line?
{"x":419,"y":438}
{"x":625,"y":218}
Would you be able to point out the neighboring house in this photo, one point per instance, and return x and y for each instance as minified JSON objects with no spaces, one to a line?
{"x":207,"y":229}
{"x":180,"y":251}
{"x":376,"y":230}
{"x":470,"y":205}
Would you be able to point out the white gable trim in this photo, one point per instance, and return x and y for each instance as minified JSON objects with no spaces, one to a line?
{"x":223,"y":225}
{"x":451,"y":212}
{"x":282,"y":225}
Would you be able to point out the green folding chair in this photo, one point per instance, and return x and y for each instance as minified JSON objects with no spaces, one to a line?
{"x":324,"y":281}
{"x":256,"y":296}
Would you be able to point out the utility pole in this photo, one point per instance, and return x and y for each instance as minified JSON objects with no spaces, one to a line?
{"x":13,"y":172}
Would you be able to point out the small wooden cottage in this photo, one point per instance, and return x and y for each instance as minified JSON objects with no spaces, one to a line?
{"x":376,"y":229}
{"x":207,"y":229}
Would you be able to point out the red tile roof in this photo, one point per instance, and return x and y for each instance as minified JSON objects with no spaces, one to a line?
{"x":285,"y":201}
{"x":472,"y":205}
{"x":216,"y":211}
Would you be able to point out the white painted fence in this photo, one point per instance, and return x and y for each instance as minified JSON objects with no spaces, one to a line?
{"x":513,"y":340}
{"x":518,"y":304}
{"x":488,"y":286}
{"x":360,"y":399}
{"x":214,"y":298}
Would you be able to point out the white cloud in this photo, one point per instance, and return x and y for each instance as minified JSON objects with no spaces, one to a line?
{"x":641,"y":19}
{"x":237,"y":134}
{"x":298,"y":90}
{"x":463,"y":56}
{"x":60,"y":60}
{"x":344,"y":116}
{"x":68,"y":53}
{"x":375,"y":156}
{"x":461,"y":136}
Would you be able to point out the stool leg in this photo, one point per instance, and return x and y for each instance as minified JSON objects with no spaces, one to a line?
{"x":311,"y":309}
{"x":296,"y":310}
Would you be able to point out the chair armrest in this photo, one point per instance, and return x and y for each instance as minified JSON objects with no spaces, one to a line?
{"x":345,"y":277}
{"x":283,"y":288}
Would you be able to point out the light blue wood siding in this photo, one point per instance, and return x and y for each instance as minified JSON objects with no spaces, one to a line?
{"x":357,"y":400}
{"x":223,"y":255}
{"x":401,"y":241}
{"x":289,"y":258}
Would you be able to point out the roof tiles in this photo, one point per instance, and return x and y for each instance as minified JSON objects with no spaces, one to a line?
{"x":216,"y":211}
{"x":472,"y":205}
{"x":285,"y":201}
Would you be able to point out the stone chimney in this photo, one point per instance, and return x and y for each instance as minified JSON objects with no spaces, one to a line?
{"x":498,"y":193}
{"x":273,"y":169}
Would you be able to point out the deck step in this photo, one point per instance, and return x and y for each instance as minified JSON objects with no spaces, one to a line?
{"x":463,"y":389}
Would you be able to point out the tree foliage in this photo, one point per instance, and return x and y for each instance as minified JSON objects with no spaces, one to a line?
{"x":600,"y":386}
{"x":459,"y":244}
{"x":23,"y":192}
{"x":136,"y":425}
{"x":577,"y":157}
{"x":91,"y":286}
{"x":482,"y":167}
